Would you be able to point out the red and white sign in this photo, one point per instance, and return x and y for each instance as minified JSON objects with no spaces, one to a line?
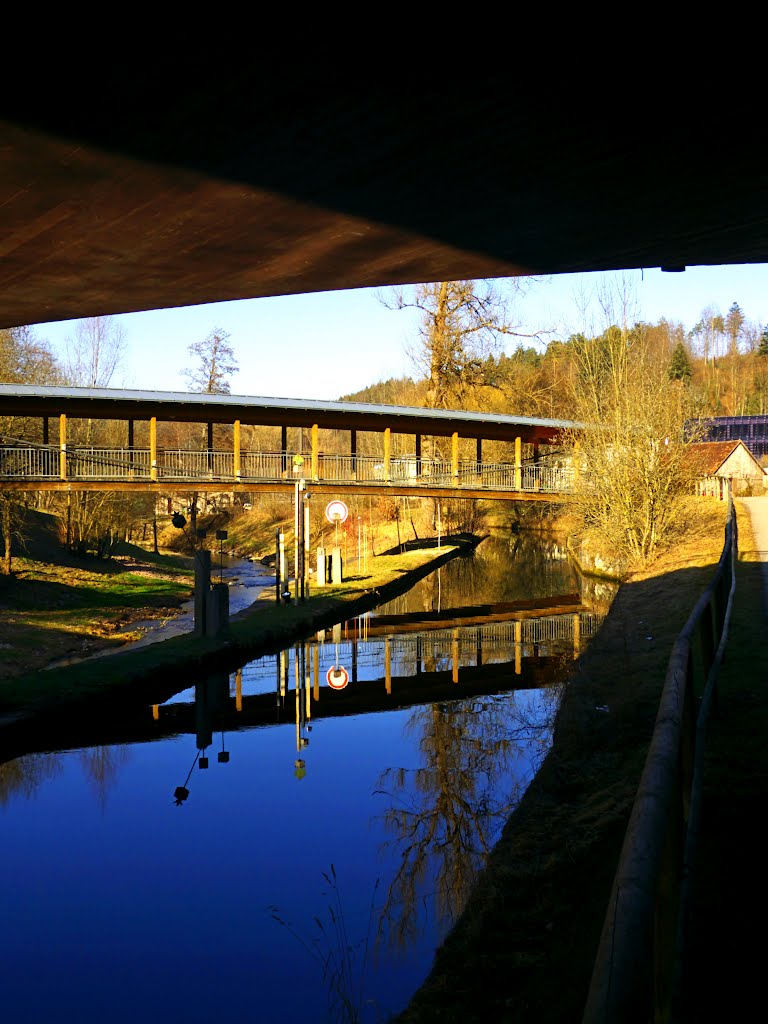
{"x":337,"y":677}
{"x":336,"y":511}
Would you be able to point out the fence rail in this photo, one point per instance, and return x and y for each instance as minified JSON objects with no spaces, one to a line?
{"x":21,"y":461}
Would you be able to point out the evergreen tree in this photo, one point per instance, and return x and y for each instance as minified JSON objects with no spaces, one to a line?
{"x":762,"y":348}
{"x":680,"y":365}
{"x":212,"y":363}
{"x":734,"y":324}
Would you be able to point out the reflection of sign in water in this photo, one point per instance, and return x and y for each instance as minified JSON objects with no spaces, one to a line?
{"x":336,"y":511}
{"x":337,"y":677}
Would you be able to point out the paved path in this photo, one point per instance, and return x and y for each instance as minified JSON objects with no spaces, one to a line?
{"x":727,"y":957}
{"x":758,"y":513}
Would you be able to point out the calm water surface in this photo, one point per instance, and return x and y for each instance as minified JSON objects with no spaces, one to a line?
{"x":271,"y":849}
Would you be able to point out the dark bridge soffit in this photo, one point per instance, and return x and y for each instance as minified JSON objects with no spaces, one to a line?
{"x":172,"y":406}
{"x":172,"y":188}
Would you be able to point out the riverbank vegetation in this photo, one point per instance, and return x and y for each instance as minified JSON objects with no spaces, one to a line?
{"x":56,"y":605}
{"x":151,"y":674}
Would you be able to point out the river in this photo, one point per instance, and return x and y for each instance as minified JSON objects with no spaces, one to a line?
{"x":292,"y":841}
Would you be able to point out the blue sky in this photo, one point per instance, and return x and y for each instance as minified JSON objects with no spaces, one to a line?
{"x":331,"y":343}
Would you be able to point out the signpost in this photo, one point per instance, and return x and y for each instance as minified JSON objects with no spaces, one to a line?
{"x":336,"y":512}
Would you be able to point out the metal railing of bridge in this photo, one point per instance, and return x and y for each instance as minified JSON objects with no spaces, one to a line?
{"x":37,"y":463}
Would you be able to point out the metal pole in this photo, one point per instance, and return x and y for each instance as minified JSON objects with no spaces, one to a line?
{"x":277,"y":565}
{"x":305,"y":566}
{"x":296,"y":542}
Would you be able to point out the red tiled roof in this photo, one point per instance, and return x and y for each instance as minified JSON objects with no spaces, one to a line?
{"x":709,"y":456}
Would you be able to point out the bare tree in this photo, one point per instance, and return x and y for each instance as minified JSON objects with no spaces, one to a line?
{"x":635,"y":473}
{"x":461,"y":325}
{"x":95,"y":352}
{"x":212,"y":363}
{"x":25,"y":359}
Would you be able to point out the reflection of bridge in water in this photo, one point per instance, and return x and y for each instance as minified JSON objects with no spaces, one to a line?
{"x":419,"y":668}
{"x":523,"y":651}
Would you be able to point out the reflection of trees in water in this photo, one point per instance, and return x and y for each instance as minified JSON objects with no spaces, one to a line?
{"x":101,"y":766}
{"x":447,"y":815}
{"x":507,"y":567}
{"x":25,"y":775}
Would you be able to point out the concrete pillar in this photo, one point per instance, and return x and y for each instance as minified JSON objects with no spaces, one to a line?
{"x":337,"y":574}
{"x":217,"y":611}
{"x":353,"y":452}
{"x":322,"y":568}
{"x":518,"y":464}
{"x":236,"y":443}
{"x":203,"y":727}
{"x":455,"y":456}
{"x":202,"y":586}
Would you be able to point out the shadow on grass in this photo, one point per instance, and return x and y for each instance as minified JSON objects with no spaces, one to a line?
{"x":538,"y":910}
{"x":429,"y":543}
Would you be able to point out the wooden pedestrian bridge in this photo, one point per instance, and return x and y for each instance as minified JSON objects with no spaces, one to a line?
{"x":55,"y":438}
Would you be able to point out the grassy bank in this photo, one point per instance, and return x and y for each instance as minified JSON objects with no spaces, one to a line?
{"x":154,"y":673}
{"x":71,"y":608}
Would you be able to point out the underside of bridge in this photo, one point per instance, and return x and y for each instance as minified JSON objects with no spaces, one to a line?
{"x":167,"y":181}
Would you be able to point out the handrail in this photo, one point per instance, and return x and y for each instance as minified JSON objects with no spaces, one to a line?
{"x":34,"y":462}
{"x":638,"y":968}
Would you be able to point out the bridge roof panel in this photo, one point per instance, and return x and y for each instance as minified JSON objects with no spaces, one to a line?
{"x":113,"y":403}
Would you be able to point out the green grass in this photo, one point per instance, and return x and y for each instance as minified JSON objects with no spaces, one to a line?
{"x":56,"y":611}
{"x":151,"y":673}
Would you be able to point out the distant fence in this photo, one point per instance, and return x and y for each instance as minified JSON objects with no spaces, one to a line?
{"x":638,"y":970}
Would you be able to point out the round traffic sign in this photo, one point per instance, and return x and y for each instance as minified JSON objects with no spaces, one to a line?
{"x":337,"y":677}
{"x":336,"y":511}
